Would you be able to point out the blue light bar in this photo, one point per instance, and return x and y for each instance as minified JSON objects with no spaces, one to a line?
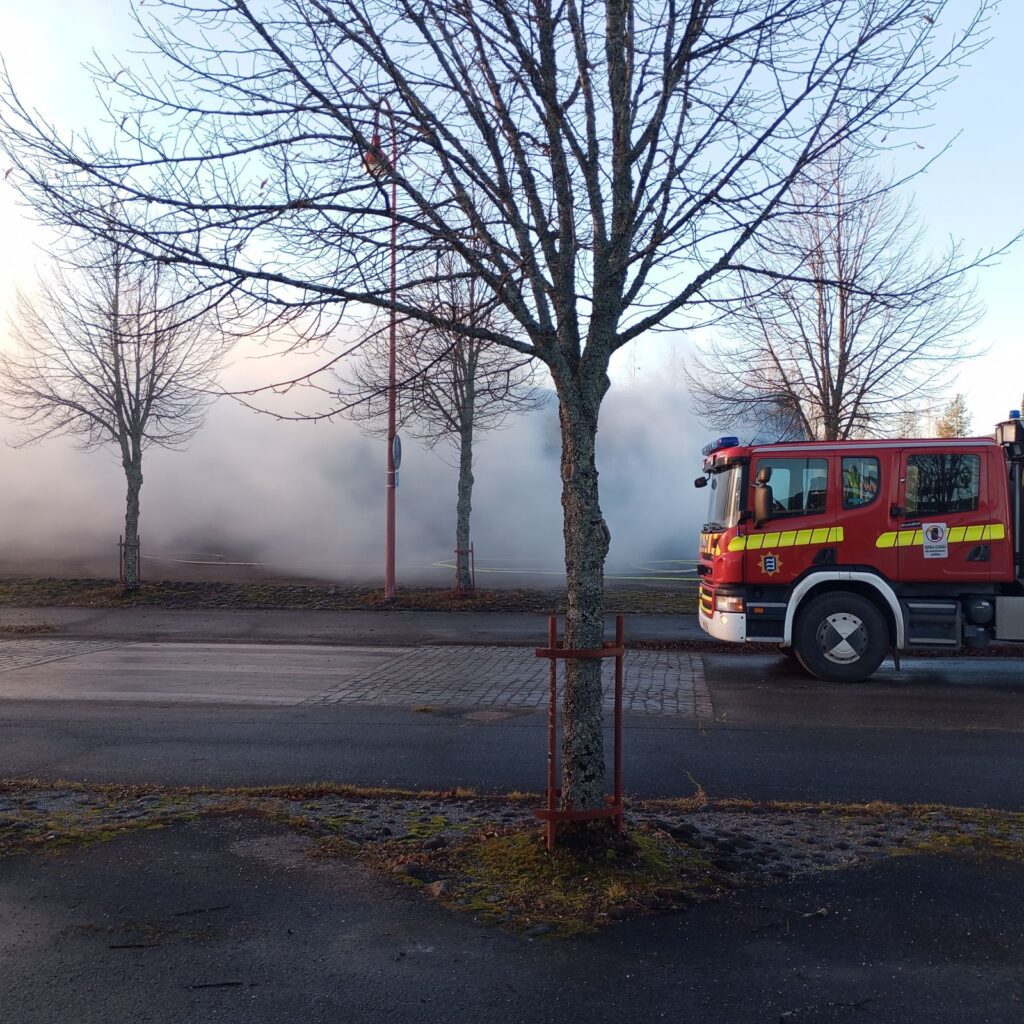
{"x":722,"y":442}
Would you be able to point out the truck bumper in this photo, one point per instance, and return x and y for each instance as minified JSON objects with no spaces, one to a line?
{"x":728,"y":626}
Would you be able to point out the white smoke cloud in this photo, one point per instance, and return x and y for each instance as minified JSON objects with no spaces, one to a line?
{"x":309,"y":498}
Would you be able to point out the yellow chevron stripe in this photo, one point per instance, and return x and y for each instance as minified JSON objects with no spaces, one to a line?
{"x":957,"y":535}
{"x":788,"y":539}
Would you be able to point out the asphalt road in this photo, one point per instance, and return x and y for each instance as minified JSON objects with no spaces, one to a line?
{"x":228,"y":920}
{"x":945,"y":730}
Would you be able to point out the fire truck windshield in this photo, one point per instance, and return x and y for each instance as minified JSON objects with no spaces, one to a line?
{"x":724,"y":502}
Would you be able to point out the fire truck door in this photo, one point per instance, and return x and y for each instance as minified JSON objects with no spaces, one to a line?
{"x":869,"y":487}
{"x":942,"y":524}
{"x":802,"y":532}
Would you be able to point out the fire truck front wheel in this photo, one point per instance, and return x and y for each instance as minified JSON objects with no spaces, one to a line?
{"x":840,"y":637}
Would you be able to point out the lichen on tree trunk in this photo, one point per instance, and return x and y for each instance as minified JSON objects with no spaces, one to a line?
{"x":586,"y":546}
{"x":130,"y":569}
{"x":463,"y":576}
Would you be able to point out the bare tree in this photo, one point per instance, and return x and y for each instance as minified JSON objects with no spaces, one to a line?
{"x":113,"y":353}
{"x":908,"y":423}
{"x":598,"y":166}
{"x":955,"y":420}
{"x":842,"y":321}
{"x":451,"y":386}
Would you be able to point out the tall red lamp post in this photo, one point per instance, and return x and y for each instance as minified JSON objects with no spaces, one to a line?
{"x":379,"y":166}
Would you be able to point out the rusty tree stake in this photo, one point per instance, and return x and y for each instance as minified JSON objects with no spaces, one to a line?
{"x":557,"y":651}
{"x":472,"y":568}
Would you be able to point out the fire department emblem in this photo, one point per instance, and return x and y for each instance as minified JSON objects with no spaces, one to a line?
{"x":770,"y":564}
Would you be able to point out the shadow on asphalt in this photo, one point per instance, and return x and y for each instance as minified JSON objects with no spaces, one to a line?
{"x":229,"y":920}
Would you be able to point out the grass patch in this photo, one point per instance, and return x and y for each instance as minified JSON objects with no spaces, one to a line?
{"x":62,"y":832}
{"x":509,"y":877}
{"x":26,"y":592}
{"x":301,"y":792}
{"x":696,"y":801}
{"x":446,"y":844}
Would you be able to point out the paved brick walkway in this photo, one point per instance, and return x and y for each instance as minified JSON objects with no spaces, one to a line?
{"x":15,"y":654}
{"x":470,"y":677}
{"x":654,"y":683}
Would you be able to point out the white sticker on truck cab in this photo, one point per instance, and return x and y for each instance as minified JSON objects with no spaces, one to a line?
{"x":936,"y":540}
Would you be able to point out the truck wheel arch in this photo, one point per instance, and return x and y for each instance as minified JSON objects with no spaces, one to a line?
{"x":874,"y":584}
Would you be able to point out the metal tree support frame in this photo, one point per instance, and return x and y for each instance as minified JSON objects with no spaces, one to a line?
{"x":121,"y":549}
{"x":472,"y":568}
{"x":557,"y":651}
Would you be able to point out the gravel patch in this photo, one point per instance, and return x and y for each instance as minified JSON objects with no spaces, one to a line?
{"x":751,"y":842}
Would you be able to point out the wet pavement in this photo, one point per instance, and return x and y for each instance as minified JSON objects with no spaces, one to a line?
{"x":230,"y":920}
{"x":654,"y":682}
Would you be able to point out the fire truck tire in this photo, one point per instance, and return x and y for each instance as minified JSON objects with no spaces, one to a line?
{"x":840,"y":637}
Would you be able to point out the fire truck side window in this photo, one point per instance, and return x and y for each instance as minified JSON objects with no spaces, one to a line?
{"x":798,"y":485}
{"x":937,"y":484}
{"x":860,"y":481}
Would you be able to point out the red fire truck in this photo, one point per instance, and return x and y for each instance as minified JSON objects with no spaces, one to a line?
{"x":839,"y":552}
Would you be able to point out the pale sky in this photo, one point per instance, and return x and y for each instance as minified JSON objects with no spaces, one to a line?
{"x":973,"y":193}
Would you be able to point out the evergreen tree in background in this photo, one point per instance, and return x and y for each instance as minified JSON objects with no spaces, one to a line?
{"x":955,"y":420}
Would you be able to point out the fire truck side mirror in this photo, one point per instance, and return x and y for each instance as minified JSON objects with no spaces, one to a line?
{"x":763,"y":499}
{"x":701,"y":481}
{"x":764,"y":475}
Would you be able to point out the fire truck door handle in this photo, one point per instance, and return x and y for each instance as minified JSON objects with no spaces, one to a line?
{"x":895,"y":510}
{"x":979,"y":553}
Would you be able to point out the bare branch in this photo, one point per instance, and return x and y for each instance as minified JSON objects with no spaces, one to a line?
{"x":843,"y":323}
{"x":115,"y":354}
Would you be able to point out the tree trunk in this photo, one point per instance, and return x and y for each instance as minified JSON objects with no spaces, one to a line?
{"x":463,"y":577}
{"x":133,"y":476}
{"x":586,"y":546}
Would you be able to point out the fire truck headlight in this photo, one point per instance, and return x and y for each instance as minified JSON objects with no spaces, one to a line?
{"x":728,"y":603}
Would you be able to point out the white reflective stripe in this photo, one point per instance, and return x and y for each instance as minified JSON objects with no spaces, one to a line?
{"x":816,"y":579}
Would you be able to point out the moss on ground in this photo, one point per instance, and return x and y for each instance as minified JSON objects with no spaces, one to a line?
{"x":59,"y":833}
{"x":425,"y":826}
{"x":509,"y":877}
{"x":676,"y":852}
